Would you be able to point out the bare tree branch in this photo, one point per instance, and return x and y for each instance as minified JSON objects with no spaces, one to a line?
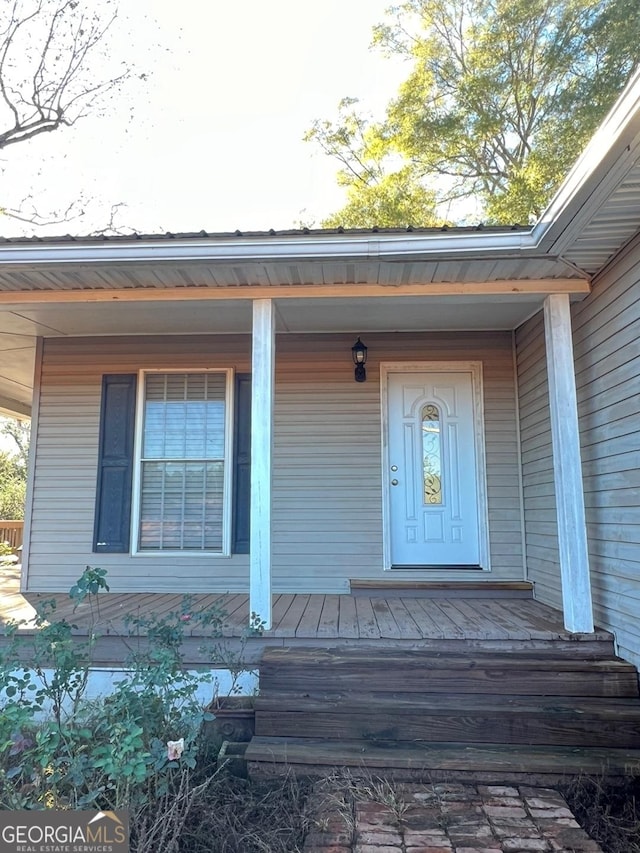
{"x":47,"y":77}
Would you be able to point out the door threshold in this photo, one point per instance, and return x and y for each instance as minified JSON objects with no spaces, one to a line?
{"x":429,"y":567}
{"x":442,"y":589}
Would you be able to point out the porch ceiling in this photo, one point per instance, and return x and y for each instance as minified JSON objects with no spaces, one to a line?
{"x":363,"y":281}
{"x":21,"y":324}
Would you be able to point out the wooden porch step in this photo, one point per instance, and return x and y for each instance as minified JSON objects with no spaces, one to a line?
{"x":409,"y":717}
{"x":442,"y":589}
{"x":416,"y":671}
{"x":482,"y":763}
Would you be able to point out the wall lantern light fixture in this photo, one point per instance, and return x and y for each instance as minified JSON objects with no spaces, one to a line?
{"x":359,"y":353}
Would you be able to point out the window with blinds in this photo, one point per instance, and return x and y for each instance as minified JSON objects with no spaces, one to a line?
{"x":183,"y":462}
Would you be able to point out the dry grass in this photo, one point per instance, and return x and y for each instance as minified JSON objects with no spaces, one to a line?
{"x":214,"y":812}
{"x":238,"y":816}
{"x":610,"y":813}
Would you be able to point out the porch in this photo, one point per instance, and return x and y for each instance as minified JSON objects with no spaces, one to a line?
{"x":432,"y":679}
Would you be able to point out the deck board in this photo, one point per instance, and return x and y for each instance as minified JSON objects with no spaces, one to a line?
{"x":442,"y":610}
{"x":384,"y":617}
{"x":539,"y":620}
{"x":348,"y":618}
{"x":329,"y":619}
{"x":485,"y":627}
{"x":310,"y":619}
{"x":519,"y":629}
{"x":406,"y":627}
{"x":495,"y":619}
{"x":281,"y":605}
{"x":367,"y":622}
{"x":540,"y":628}
{"x":289,"y":621}
{"x":425,"y":622}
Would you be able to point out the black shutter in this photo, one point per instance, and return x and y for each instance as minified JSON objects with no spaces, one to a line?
{"x":242,"y":465}
{"x":115,"y":464}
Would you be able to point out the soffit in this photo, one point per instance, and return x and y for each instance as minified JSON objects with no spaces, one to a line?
{"x":169,"y":274}
{"x":615,"y":223}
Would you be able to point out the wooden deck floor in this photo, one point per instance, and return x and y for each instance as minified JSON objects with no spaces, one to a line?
{"x":398,"y":617}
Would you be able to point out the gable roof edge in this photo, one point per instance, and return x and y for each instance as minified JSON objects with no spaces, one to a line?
{"x":611,"y":152}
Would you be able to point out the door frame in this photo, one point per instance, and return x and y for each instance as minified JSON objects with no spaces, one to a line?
{"x":475,"y":369}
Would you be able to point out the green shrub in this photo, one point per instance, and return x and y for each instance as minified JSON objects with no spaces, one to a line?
{"x":59,"y":749}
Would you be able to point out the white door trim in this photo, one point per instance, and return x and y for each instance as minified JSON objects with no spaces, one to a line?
{"x":475,"y":368}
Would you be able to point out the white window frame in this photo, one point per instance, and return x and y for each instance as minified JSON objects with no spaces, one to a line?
{"x":228,"y":465}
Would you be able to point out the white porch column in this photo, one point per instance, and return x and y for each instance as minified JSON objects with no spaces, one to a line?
{"x":262,"y":396}
{"x":567,"y":467}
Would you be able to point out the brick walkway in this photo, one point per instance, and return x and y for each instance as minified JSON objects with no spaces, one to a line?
{"x":383,"y":817}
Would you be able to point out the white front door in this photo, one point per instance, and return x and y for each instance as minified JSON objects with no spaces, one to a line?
{"x":432,"y":479}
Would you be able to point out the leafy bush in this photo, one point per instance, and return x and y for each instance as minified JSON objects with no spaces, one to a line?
{"x":60,"y":749}
{"x":6,"y":553}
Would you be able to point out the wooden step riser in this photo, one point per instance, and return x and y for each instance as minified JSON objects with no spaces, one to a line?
{"x":625,"y":710}
{"x":622,"y":682}
{"x":371,"y":660}
{"x":458,"y":654}
{"x":480,"y":763}
{"x":373,"y":726}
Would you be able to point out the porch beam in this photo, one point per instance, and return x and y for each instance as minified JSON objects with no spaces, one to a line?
{"x":262,"y":397}
{"x":567,"y":467}
{"x":204,"y":292}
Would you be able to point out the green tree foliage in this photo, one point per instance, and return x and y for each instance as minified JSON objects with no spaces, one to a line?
{"x":18,"y":433}
{"x":12,"y":487}
{"x":394,"y":200}
{"x":501,"y":97}
{"x":377,"y":194}
{"x":13,"y":468}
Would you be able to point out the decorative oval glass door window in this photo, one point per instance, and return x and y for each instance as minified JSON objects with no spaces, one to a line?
{"x":431,"y":454}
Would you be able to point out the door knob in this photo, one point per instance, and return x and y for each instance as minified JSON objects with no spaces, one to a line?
{"x":394,"y":467}
{"x":394,"y":482}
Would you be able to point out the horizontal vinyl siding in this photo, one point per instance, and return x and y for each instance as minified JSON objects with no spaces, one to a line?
{"x":327,"y":491}
{"x":328,"y":485}
{"x":67,"y":459}
{"x":543,"y":564}
{"x":606,"y":329}
{"x":606,"y":339}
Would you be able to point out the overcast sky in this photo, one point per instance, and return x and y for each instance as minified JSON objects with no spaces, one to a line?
{"x":214,"y":139}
